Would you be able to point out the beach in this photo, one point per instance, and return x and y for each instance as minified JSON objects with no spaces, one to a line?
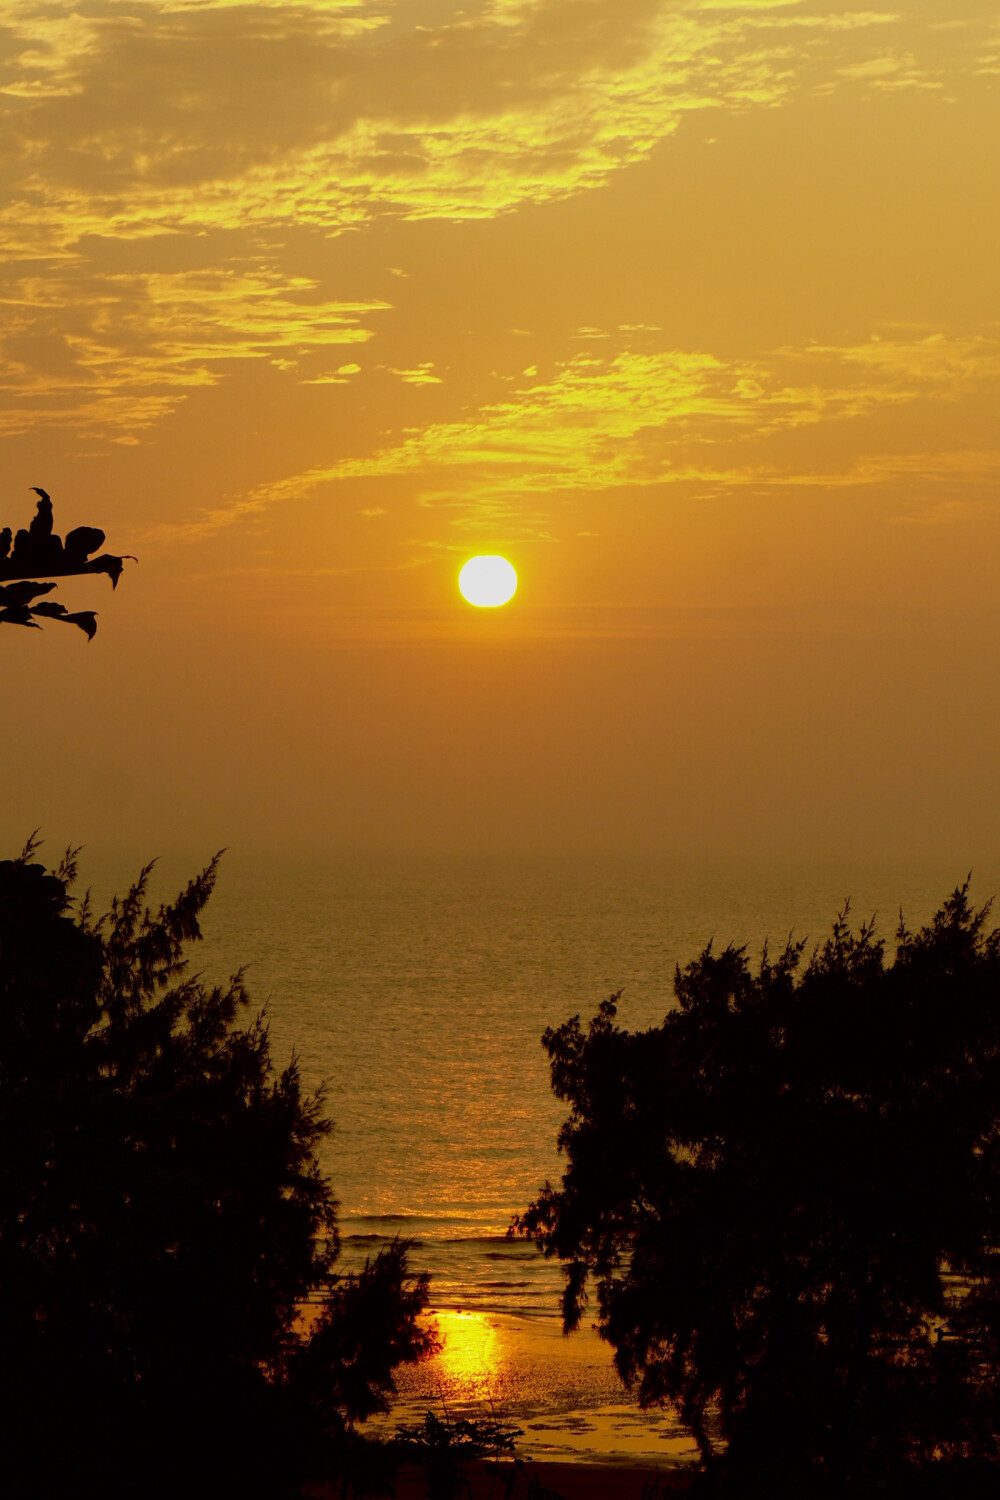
{"x":561,"y":1393}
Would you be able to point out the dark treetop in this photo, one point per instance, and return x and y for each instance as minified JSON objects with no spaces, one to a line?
{"x":788,"y":1198}
{"x":163,"y":1218}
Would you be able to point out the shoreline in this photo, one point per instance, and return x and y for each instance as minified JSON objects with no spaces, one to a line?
{"x":561,"y":1392}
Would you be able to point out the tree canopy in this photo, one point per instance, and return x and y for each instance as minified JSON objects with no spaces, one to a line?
{"x":163,"y":1217}
{"x":788,"y":1199}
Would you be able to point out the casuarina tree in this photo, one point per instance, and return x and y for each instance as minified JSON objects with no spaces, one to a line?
{"x":787,"y":1198}
{"x":163,"y":1220}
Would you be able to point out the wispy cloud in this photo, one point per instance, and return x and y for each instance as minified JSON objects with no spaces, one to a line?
{"x":135,"y":118}
{"x":191,"y":122}
{"x":632,"y":420}
{"x":219,"y":128}
{"x":891,"y":72}
{"x":114,"y":354}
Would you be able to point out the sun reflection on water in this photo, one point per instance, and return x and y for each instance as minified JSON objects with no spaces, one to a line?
{"x":468,"y":1366}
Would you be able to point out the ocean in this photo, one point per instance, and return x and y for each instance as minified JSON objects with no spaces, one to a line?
{"x":416,"y":991}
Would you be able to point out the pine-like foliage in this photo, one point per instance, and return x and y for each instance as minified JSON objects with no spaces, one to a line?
{"x":163,"y":1218}
{"x":788,"y":1197}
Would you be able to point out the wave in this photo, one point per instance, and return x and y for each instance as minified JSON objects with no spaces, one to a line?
{"x":475,"y":1239}
{"x":378,"y":1239}
{"x":424,"y":1218}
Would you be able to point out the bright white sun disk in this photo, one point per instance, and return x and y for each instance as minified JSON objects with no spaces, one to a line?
{"x":487,"y":581}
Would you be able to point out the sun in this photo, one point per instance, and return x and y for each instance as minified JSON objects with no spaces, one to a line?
{"x":487,"y":581}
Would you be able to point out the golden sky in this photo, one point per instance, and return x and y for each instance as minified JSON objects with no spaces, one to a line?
{"x":689,"y":308}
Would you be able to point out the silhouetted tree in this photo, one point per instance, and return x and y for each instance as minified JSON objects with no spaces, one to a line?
{"x":162,"y":1219}
{"x":443,"y":1447}
{"x":788,"y":1196}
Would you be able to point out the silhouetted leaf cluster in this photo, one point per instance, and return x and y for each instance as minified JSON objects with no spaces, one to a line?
{"x":441,"y":1446}
{"x":163,"y":1218}
{"x":38,"y":552}
{"x":788,"y":1196}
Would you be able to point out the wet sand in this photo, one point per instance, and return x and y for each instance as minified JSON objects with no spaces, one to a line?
{"x":547,"y":1481}
{"x":562,"y":1393}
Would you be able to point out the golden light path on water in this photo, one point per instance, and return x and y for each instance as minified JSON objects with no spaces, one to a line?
{"x":561,"y":1393}
{"x":470,"y":1359}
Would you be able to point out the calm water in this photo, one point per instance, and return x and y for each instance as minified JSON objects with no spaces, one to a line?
{"x":419,"y":991}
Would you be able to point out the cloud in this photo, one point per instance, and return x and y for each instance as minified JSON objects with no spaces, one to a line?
{"x":604,"y":422}
{"x":632,"y":420}
{"x":422,"y":374}
{"x":891,"y":72}
{"x":116,"y":353}
{"x":196,"y":122}
{"x":134,"y":118}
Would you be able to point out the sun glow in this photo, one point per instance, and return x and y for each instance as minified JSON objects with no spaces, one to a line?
{"x":487,"y":581}
{"x":469,"y":1358}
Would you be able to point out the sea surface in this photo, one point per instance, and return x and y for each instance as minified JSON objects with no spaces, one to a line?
{"x":416,"y":992}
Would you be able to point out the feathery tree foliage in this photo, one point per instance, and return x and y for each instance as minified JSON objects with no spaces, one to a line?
{"x":163,"y":1217}
{"x":788,"y":1196}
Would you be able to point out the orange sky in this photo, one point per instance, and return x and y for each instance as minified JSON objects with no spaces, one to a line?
{"x":689,"y":308}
